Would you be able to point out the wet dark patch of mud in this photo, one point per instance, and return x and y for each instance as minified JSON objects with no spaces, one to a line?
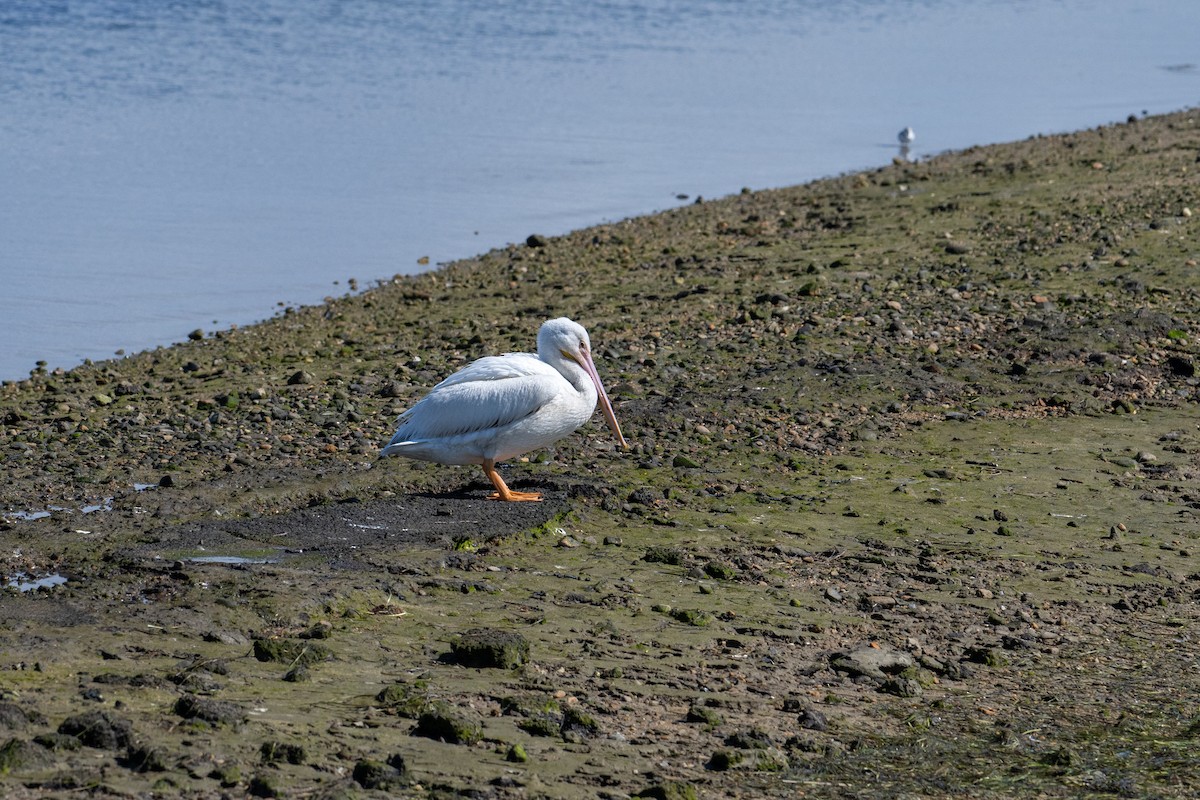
{"x":343,"y":532}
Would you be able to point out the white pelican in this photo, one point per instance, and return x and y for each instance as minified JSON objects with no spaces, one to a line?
{"x":502,"y":406}
{"x":906,"y":136}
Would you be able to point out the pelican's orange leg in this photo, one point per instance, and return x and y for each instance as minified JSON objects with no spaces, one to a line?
{"x":502,"y":490}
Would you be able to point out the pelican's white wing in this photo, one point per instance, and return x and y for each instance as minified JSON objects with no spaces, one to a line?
{"x":486,"y":395}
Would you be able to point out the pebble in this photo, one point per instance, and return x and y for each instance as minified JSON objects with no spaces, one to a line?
{"x":872,"y":660}
{"x":813,"y":720}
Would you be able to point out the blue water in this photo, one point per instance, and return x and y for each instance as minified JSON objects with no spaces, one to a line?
{"x":172,"y":166}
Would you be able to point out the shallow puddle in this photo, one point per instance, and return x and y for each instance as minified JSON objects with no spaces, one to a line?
{"x":27,"y":583}
{"x":230,"y":560}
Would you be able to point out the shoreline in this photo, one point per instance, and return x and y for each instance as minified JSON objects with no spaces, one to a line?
{"x":337,"y":283}
{"x":913,"y":474}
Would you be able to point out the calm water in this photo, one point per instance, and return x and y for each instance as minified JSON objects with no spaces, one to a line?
{"x":168,"y":166}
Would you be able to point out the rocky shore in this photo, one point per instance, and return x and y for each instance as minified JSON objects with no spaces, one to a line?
{"x":912,"y":510}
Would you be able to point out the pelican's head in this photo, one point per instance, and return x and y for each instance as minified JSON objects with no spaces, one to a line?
{"x":566,"y":339}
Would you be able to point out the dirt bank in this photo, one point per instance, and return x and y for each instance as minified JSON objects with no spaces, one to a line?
{"x":912,"y":510}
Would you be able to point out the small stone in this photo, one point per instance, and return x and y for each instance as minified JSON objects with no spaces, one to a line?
{"x":196,"y":335}
{"x":14,"y":717}
{"x":18,"y":754}
{"x":705,"y":715}
{"x":320,"y":630}
{"x":490,"y":648}
{"x":301,"y":378}
{"x":541,"y":725}
{"x":722,"y":760}
{"x":227,"y":775}
{"x":56,"y":743}
{"x":406,"y":699}
{"x":277,"y":752}
{"x":720,"y":571}
{"x":214,"y":712}
{"x":874,"y":661}
{"x":813,"y":720}
{"x":660,"y":554}
{"x":99,"y":729}
{"x":693,"y":617}
{"x":833,"y":594}
{"x":145,"y":758}
{"x":286,"y":651}
{"x":444,"y":724}
{"x":516,"y":754}
{"x":578,"y":725}
{"x":902,"y":686}
{"x":225,"y":636}
{"x":263,"y":786}
{"x":645,"y":497}
{"x":1181,"y":366}
{"x":988,"y":656}
{"x":669,"y":790}
{"x":297,"y":674}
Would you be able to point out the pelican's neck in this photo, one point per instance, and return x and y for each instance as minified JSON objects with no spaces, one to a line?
{"x":576,"y":375}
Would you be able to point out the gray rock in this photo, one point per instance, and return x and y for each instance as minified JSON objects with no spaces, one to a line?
{"x":873,"y":661}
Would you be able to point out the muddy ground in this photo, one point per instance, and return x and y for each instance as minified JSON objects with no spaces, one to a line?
{"x":912,"y":510}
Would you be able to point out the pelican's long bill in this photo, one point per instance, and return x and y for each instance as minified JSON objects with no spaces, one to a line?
{"x":585,"y":361}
